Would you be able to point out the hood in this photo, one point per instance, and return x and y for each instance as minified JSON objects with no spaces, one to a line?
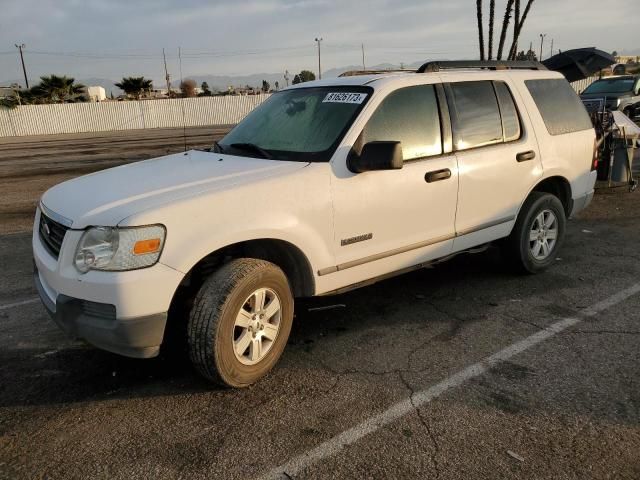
{"x":109,"y":196}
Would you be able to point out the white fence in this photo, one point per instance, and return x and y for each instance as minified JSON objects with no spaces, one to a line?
{"x":580,"y":85}
{"x":131,"y":115}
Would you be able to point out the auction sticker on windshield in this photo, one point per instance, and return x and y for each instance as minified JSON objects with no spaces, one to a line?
{"x":344,"y":97}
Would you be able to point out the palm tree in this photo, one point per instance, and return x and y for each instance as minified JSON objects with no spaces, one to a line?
{"x":57,"y":89}
{"x":492,"y":9}
{"x":516,"y":22}
{"x":518,"y":27}
{"x":480,"y":32}
{"x":505,"y":27}
{"x":135,"y":86}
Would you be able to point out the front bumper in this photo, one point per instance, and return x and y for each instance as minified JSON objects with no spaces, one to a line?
{"x":96,"y":323}
{"x":123,"y":312}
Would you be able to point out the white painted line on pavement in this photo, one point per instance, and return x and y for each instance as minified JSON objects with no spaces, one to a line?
{"x":18,"y":304}
{"x":332,"y":446}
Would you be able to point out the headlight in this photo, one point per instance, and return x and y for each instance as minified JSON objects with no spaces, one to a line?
{"x":118,"y":249}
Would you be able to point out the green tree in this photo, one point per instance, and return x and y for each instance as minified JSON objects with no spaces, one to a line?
{"x":304,"y":76}
{"x":530,"y":55}
{"x":277,"y":85}
{"x":206,"y":91}
{"x":135,"y":86}
{"x":56,"y":89}
{"x":265,"y":86}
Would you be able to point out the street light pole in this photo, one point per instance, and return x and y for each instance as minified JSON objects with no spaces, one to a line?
{"x":24,"y":70}
{"x":542,"y":35}
{"x":319,"y":68}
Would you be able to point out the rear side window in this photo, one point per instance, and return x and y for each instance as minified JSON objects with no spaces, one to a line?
{"x":409,"y":115}
{"x":475,"y":114}
{"x":559,"y":105}
{"x":508,"y":112}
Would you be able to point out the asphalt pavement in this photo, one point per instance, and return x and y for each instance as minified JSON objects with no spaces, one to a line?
{"x":464,"y":370}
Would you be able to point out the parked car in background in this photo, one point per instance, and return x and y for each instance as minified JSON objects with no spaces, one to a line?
{"x":325,"y":187}
{"x":614,"y":93}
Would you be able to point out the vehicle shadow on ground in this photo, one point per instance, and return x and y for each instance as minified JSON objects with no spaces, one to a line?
{"x":468,"y":286}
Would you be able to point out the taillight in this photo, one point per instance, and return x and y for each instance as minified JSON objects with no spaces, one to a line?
{"x":594,"y":158}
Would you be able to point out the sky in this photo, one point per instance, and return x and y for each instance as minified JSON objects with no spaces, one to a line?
{"x":115,"y":38}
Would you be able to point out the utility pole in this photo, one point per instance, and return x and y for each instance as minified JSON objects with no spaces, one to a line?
{"x":363,"y":66}
{"x":166,"y":74}
{"x":24,"y":70}
{"x":542,"y":35}
{"x":286,"y":77}
{"x":319,"y":68}
{"x":551,"y":54}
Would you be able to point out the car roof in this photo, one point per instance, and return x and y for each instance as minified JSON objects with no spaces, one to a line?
{"x":352,"y":80}
{"x":385,"y":78}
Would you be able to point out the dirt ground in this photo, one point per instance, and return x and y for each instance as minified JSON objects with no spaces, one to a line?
{"x":460,"y":371}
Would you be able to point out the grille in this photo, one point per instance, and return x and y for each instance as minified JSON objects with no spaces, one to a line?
{"x":51,"y":234}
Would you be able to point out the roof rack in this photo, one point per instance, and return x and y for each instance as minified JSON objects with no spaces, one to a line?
{"x":430,"y":67}
{"x":354,"y":73}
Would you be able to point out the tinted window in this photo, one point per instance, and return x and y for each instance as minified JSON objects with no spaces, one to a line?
{"x":409,"y":115}
{"x":610,"y":85}
{"x":560,"y":107}
{"x":508,"y":112}
{"x":474,"y":114}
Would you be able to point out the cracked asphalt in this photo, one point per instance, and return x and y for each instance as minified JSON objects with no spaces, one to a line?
{"x":568,"y":407}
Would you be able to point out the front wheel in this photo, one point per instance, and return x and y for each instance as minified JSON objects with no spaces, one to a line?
{"x":240,"y":322}
{"x":537,"y":235}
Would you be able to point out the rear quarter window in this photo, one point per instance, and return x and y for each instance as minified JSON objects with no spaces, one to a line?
{"x":560,"y":107}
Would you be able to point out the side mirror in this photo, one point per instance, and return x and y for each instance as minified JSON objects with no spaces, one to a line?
{"x":376,"y":156}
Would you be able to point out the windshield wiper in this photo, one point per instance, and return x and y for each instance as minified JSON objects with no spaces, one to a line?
{"x":252,"y":147}
{"x":217,"y":148}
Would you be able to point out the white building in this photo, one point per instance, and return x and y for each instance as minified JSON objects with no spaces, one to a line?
{"x":96,"y":94}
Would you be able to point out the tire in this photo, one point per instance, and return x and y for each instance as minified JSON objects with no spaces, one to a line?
{"x":529,"y":256}
{"x":226,"y":308}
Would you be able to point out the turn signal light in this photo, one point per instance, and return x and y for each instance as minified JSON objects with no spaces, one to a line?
{"x":146,"y":246}
{"x":594,"y":158}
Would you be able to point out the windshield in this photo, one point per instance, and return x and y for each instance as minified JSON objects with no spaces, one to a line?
{"x":303,"y":124}
{"x":611,"y":85}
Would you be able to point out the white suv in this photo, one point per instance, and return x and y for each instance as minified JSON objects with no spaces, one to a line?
{"x":326,"y":186}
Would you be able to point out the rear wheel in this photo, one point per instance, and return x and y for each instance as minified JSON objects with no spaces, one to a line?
{"x":240,"y":322}
{"x":537,"y":235}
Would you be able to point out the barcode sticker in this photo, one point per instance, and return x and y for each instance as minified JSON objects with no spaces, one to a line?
{"x":344,"y":97}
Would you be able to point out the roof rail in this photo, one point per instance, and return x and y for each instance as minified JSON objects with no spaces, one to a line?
{"x":353,"y":73}
{"x":489,"y":64}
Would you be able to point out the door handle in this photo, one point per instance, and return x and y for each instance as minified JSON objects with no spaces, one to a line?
{"x":437,"y":175}
{"x":526,"y":156}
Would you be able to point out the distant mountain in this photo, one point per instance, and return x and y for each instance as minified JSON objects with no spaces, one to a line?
{"x":222,"y":82}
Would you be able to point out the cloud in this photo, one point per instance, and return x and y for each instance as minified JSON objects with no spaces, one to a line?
{"x":126,"y":37}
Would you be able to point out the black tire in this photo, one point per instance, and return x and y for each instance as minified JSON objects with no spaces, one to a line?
{"x":516,"y":247}
{"x":212,"y":319}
